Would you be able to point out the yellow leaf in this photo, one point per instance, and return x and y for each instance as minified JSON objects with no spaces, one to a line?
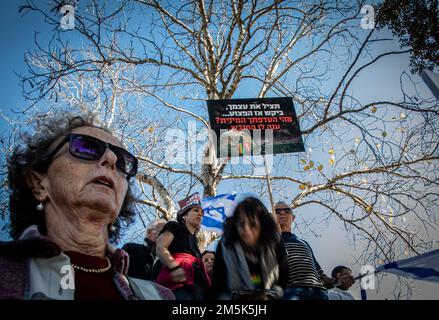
{"x":331,"y":151}
{"x":303,"y":161}
{"x":320,"y":167}
{"x":331,"y":162}
{"x":374,"y":109}
{"x":311,"y":164}
{"x":369,"y":209}
{"x":302,"y":187}
{"x":151,"y":130}
{"x":306,"y":168}
{"x":403,"y":115}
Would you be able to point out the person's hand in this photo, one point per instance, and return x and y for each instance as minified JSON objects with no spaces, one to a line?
{"x":178,"y":275}
{"x":328,"y":283}
{"x":346,"y":281}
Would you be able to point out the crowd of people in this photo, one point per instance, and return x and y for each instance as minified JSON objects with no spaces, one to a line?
{"x":71,"y":196}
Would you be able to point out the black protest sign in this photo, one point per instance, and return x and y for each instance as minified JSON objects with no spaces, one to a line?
{"x":255,"y":126}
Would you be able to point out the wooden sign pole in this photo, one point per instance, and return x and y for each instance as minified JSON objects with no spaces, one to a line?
{"x":270,"y":193}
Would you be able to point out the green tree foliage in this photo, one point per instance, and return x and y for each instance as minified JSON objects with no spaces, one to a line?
{"x":415,"y":23}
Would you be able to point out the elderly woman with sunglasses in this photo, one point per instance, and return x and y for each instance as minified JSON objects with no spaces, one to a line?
{"x":70,"y":194}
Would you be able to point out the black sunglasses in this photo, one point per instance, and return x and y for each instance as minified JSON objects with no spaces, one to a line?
{"x":287,"y":210}
{"x":90,"y":148}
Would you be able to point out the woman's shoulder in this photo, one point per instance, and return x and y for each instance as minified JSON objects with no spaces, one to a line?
{"x":172,"y":226}
{"x":13,"y":277}
{"x":31,"y":244}
{"x":171,"y":223}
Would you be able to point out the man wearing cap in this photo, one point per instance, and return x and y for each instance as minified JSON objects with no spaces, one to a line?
{"x":142,"y":256}
{"x":183,"y":269}
{"x":306,"y":279}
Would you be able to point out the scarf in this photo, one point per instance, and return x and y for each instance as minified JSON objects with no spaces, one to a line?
{"x":238,"y":275}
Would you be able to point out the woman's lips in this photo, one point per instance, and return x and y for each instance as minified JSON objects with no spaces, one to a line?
{"x":105,"y":181}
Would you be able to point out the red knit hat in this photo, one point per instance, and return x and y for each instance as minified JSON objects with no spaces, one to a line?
{"x":194,"y":200}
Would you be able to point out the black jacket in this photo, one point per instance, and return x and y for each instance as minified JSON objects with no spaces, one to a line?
{"x":141,"y":259}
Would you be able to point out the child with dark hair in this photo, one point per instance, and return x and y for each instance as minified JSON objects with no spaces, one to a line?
{"x":344,"y":280}
{"x":208,"y":260}
{"x":250,"y":261}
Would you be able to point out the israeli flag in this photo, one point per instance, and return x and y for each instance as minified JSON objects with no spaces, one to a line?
{"x":422,"y":267}
{"x":216,"y":209}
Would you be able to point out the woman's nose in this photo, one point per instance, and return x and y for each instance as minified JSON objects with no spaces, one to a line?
{"x":108,"y":159}
{"x":246,"y":229}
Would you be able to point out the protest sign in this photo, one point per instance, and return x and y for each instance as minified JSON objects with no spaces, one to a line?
{"x":255,"y":126}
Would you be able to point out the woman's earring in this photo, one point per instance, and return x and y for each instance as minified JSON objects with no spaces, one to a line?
{"x":40,"y":206}
{"x":112,"y":228}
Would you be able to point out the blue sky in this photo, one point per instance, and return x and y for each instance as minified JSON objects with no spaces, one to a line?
{"x":17,"y":34}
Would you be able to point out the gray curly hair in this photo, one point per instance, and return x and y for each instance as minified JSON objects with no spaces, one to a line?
{"x":31,"y":153}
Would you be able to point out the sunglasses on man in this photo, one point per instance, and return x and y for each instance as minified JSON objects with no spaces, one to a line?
{"x":280,"y":210}
{"x":90,"y":148}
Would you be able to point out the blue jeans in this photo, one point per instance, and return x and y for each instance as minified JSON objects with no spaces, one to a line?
{"x":189,"y":294}
{"x":305,"y":293}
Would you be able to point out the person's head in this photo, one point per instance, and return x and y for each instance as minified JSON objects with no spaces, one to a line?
{"x":71,"y":166}
{"x":251,"y":224}
{"x":284,"y":216}
{"x":191,"y":217}
{"x":208,"y":260}
{"x":153,"y":229}
{"x":346,"y":274}
{"x":191,"y":213}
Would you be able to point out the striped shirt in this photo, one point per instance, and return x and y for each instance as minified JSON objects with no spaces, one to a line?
{"x":303,"y":268}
